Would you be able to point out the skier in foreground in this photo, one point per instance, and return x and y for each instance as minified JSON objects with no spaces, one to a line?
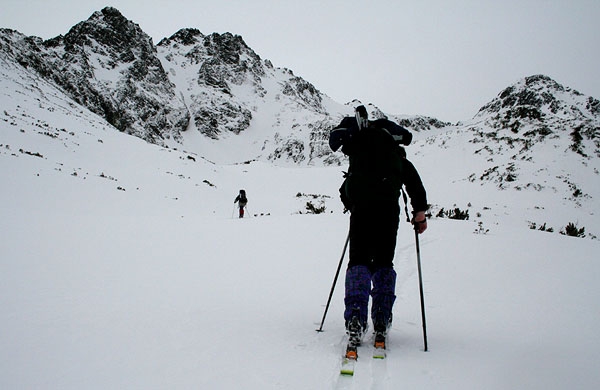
{"x":371,"y":190}
{"x":242,"y":201}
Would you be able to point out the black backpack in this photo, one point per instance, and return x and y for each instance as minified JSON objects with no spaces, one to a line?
{"x":375,"y":158}
{"x":242,"y":198}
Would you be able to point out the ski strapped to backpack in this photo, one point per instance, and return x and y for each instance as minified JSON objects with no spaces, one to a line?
{"x":349,"y":126}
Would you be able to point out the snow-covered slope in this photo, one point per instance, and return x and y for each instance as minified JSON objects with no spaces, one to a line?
{"x":122,"y":266}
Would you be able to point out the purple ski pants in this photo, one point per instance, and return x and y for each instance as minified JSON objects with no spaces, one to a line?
{"x":362,"y":283}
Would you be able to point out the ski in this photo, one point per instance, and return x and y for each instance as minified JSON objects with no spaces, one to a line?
{"x":355,"y":332}
{"x":379,"y":346}
{"x":349,"y":360}
{"x":351,"y":354}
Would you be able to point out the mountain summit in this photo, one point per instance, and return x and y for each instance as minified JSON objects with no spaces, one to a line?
{"x":109,"y":65}
{"x":538,"y":107}
{"x":538,"y":141}
{"x":537,"y":118}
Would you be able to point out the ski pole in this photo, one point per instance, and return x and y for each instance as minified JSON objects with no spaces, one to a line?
{"x":337,"y":273}
{"x":421,"y":289}
{"x":419,"y":272}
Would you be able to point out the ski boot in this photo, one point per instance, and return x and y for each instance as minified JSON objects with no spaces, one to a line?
{"x":355,"y":329}
{"x":381,"y":327}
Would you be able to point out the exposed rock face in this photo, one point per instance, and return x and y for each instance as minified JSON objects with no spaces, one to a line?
{"x":422,"y":123}
{"x":219,"y":63}
{"x":108,"y":64}
{"x":538,"y":108}
{"x":303,"y":92}
{"x":226,"y":86}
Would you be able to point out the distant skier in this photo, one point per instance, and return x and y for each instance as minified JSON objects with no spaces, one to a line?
{"x":371,"y":190}
{"x":242,"y":201}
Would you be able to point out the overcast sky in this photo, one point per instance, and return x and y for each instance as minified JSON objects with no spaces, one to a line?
{"x":440,"y":58}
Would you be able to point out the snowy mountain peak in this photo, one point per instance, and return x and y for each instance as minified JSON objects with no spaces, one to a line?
{"x":110,"y":28}
{"x":210,"y":73}
{"x":109,"y":65}
{"x":185,"y":36}
{"x":536,"y":99}
{"x":538,"y":108}
{"x":230,"y":90}
{"x":537,"y":140}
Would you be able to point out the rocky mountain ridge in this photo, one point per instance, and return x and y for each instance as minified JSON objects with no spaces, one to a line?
{"x":214,"y":84}
{"x":109,"y":65}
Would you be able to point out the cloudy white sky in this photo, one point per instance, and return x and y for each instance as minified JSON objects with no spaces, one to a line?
{"x":440,"y":58}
